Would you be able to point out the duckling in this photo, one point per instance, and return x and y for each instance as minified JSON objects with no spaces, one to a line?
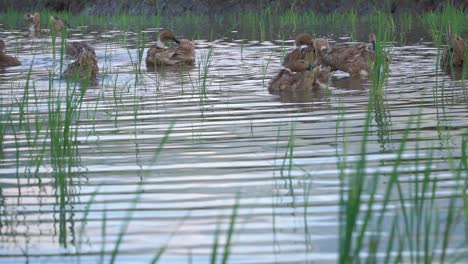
{"x":73,"y":49}
{"x":83,"y":68}
{"x":57,"y":24}
{"x":300,"y":75}
{"x":183,"y":53}
{"x":6,"y":60}
{"x":306,"y":53}
{"x":34,"y":22}
{"x":454,"y":54}
{"x":355,"y":59}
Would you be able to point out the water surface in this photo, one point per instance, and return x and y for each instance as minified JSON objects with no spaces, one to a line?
{"x":228,"y":138}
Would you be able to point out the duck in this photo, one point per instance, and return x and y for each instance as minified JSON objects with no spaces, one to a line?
{"x":6,"y":60}
{"x":355,"y":59}
{"x":83,"y":68}
{"x":454,"y":54}
{"x":307,"y":53}
{"x":182,"y":53}
{"x":73,"y":49}
{"x":300,"y":75}
{"x":57,"y":24}
{"x":34,"y":22}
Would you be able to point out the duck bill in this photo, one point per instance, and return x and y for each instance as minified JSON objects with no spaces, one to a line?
{"x":176,"y":41}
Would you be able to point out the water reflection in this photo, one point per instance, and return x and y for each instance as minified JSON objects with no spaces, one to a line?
{"x":457,"y":74}
{"x":303,"y":95}
{"x":348,"y":83}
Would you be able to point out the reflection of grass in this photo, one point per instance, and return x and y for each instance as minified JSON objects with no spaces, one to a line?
{"x":379,"y":74}
{"x":405,"y":23}
{"x":265,"y":67}
{"x":375,"y":220}
{"x":228,"y":243}
{"x":204,"y":63}
{"x":406,"y":218}
{"x":6,"y":113}
{"x":441,"y":25}
{"x":63,"y":117}
{"x":140,"y":46}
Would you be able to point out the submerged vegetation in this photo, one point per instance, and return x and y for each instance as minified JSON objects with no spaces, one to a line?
{"x":60,"y":140}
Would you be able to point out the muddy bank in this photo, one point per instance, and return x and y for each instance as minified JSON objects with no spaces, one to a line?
{"x":219,"y":7}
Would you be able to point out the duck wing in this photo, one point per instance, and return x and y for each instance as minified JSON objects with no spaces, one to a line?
{"x":286,"y":80}
{"x":294,"y":55}
{"x":342,"y":55}
{"x":6,"y":60}
{"x":74,"y":49}
{"x":184,"y":53}
{"x":308,"y":54}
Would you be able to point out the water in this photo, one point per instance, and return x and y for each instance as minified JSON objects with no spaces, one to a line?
{"x":231,"y":140}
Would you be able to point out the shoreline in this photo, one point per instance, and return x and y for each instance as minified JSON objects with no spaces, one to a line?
{"x":220,"y":7}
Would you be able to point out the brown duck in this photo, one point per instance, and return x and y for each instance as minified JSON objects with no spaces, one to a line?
{"x":355,"y":59}
{"x":57,"y":24}
{"x":305,"y":53}
{"x":73,"y":49}
{"x":6,"y":60}
{"x":34,"y":22}
{"x":182,"y":53}
{"x":454,"y":54}
{"x":83,"y":68}
{"x":300,"y":75}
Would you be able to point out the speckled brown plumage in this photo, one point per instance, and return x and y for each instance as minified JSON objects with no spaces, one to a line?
{"x":73,"y":49}
{"x":83,"y":68}
{"x":306,"y":53}
{"x":57,"y":24}
{"x":454,"y":54}
{"x":7,"y":60}
{"x":34,"y":22}
{"x":299,"y":75}
{"x":182,"y":53}
{"x":355,"y":59}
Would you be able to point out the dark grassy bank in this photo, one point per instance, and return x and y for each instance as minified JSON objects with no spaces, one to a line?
{"x":209,"y":7}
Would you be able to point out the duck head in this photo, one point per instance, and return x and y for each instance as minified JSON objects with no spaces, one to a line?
{"x":304,"y":39}
{"x":36,"y":18}
{"x":372,"y":40}
{"x":321,"y":76}
{"x":34,"y":21}
{"x":321,"y":45}
{"x":58,"y":24}
{"x":299,"y":66}
{"x":28,"y":17}
{"x":165,"y":36}
{"x":458,"y":49}
{"x":54,"y":19}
